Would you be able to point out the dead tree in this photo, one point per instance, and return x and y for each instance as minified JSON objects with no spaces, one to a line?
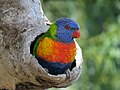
{"x":20,"y":23}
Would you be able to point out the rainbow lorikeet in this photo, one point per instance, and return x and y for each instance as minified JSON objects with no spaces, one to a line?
{"x":55,"y":50}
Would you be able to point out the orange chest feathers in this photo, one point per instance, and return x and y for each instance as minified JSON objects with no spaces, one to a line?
{"x":54,"y":51}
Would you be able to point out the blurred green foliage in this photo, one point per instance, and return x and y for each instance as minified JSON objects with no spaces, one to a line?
{"x":100,"y":39}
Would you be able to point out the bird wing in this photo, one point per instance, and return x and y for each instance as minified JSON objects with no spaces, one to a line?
{"x":35,"y":46}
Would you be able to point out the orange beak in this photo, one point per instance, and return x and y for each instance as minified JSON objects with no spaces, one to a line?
{"x":76,"y":34}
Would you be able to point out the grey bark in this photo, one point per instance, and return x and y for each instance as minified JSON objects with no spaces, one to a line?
{"x":20,"y":22}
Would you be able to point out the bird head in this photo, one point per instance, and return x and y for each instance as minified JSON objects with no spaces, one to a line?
{"x":65,"y":30}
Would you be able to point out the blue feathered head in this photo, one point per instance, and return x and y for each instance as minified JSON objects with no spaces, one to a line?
{"x":67,"y":30}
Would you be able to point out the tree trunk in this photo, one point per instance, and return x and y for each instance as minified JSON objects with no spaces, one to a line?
{"x":20,"y":23}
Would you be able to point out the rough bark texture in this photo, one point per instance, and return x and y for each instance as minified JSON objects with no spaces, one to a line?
{"x":20,"y":22}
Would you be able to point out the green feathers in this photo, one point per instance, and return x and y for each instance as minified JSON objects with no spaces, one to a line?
{"x":51,"y":33}
{"x":35,"y":47}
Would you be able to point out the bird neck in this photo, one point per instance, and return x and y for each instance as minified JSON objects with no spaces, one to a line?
{"x":51,"y":33}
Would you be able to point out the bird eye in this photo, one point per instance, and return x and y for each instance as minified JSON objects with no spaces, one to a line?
{"x":67,"y":27}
